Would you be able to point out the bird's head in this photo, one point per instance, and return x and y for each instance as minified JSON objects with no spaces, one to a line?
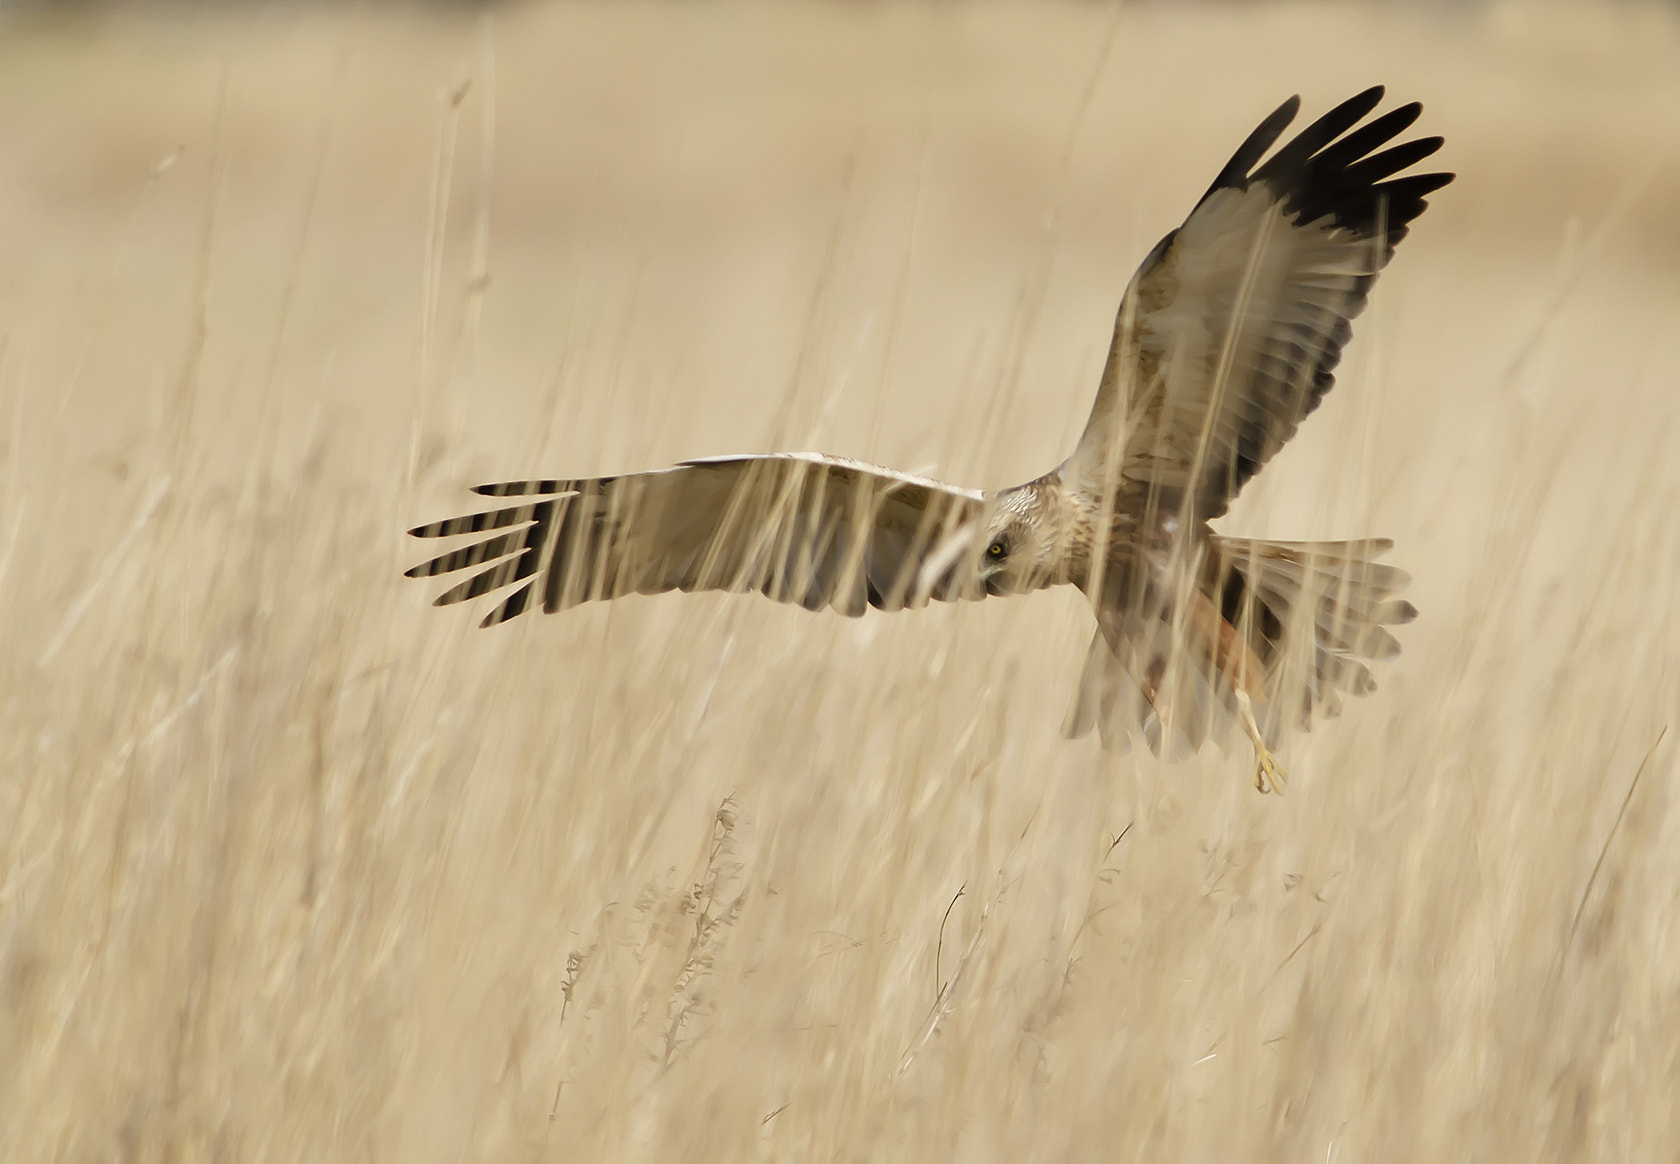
{"x":1021,"y":549}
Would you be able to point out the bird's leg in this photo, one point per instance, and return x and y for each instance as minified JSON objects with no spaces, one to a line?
{"x":1236,"y":660}
{"x":1269,"y":775}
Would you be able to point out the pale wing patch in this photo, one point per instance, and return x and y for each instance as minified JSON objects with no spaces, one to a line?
{"x":1227,"y":364}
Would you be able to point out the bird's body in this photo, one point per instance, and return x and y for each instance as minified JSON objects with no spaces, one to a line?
{"x":1226,"y":339}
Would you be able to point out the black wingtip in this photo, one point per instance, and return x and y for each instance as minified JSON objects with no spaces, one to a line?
{"x":512,"y":607}
{"x":1254,"y":146}
{"x":523,"y":488}
{"x":1295,"y":155}
{"x":1406,"y":115}
{"x":1343,"y":170}
{"x":1353,"y":110}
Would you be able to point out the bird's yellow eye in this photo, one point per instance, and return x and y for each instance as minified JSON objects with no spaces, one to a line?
{"x":995,"y":550}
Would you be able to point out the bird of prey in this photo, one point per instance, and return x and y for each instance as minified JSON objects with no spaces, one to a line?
{"x":1227,"y":337}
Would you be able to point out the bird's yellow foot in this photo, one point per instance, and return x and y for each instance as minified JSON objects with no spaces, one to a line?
{"x":1269,"y":775}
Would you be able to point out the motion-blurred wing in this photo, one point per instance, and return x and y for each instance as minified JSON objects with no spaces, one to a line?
{"x":798,"y":527}
{"x":1231,"y":330}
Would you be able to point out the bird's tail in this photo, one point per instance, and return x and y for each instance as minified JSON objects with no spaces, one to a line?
{"x":1313,"y":614}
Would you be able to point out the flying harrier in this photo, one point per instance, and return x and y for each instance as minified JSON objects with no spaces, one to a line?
{"x":1227,"y":337}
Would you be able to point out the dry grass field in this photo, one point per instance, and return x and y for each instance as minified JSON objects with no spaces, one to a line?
{"x":295,"y":867}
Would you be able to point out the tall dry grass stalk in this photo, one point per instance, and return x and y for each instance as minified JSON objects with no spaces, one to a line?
{"x":294,"y":867}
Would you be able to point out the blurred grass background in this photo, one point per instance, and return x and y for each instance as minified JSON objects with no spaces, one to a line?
{"x":293,"y":866}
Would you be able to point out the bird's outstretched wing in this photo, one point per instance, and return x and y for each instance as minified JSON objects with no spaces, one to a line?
{"x":799,"y":527}
{"x":1231,"y":330}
